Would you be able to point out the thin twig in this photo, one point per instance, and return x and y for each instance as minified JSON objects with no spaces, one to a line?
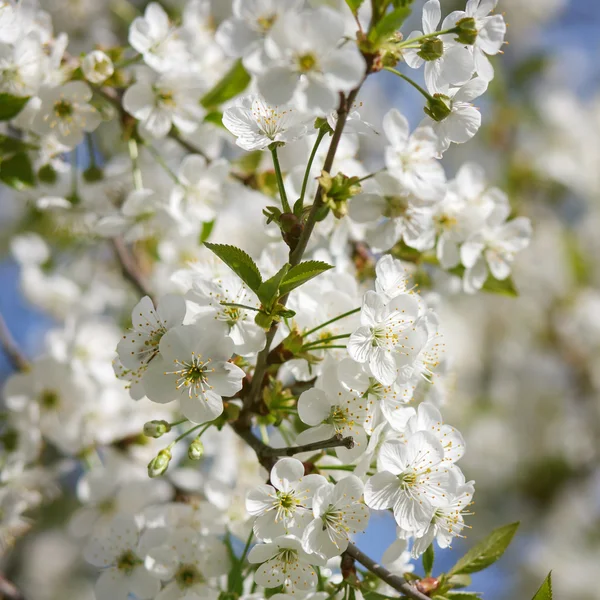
{"x":398,"y":583}
{"x":337,"y":441}
{"x":17,"y":359}
{"x":9,"y":591}
{"x":130,"y":268}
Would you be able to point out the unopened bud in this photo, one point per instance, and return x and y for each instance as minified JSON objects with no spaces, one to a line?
{"x":438,"y":107}
{"x":97,"y":67}
{"x":196,"y":450}
{"x":93,"y":173}
{"x":431,"y":49}
{"x":160,"y":463}
{"x":466,"y":30}
{"x":47,"y":174}
{"x":155,"y":429}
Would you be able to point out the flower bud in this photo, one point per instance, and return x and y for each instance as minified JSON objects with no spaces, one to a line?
{"x":466,"y":30}
{"x":431,"y":49}
{"x":438,"y":107}
{"x":155,"y":429}
{"x":97,"y":67}
{"x":160,"y":463}
{"x":93,"y":173}
{"x":47,"y":174}
{"x":196,"y":450}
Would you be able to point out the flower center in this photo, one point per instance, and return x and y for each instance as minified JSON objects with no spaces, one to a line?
{"x":332,"y":518}
{"x":231,"y":315}
{"x":266,"y":22}
{"x":192,"y":374}
{"x":128,"y":561}
{"x":396,"y":206}
{"x":306,"y":63}
{"x":166,"y":98}
{"x":49,"y":399}
{"x":408,"y":479}
{"x":63,"y":109}
{"x":288,"y":557}
{"x":188,"y":575}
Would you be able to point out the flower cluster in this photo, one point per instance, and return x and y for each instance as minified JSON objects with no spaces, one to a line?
{"x":294,"y":299}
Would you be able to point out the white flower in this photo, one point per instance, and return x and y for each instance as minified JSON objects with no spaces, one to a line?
{"x":156,"y":39}
{"x":256,"y":124}
{"x":448,"y":520}
{"x":412,"y":480}
{"x":464,"y":119}
{"x":380,"y":334}
{"x":192,"y":366}
{"x":65,"y":112}
{"x":338,"y":513}
{"x":55,"y":395}
{"x":428,"y":418}
{"x":330,"y":409}
{"x":121,"y":554}
{"x":143,"y":215}
{"x":21,"y":66}
{"x":283,"y":507}
{"x":403,"y":217}
{"x":197,"y":196}
{"x":97,"y":66}
{"x":490,"y":33}
{"x":149,"y":324}
{"x":190,"y":564}
{"x":453,"y":62}
{"x":412,"y":159}
{"x":244,"y":33}
{"x":383,"y":403}
{"x":391,"y":278}
{"x":172,"y":99}
{"x":305,"y":62}
{"x":284,"y":562}
{"x":205,"y":299}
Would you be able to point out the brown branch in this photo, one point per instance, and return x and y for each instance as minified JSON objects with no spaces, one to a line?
{"x":130,"y":268}
{"x":337,"y":441}
{"x":17,"y":359}
{"x":398,"y":583}
{"x":9,"y":591}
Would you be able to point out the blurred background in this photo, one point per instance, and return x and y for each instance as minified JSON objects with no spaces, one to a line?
{"x":525,"y":384}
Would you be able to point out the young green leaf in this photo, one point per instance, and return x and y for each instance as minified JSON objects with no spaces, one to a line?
{"x":463,"y":596}
{"x":545,"y":591}
{"x":11,"y":106}
{"x":239,"y":262}
{"x":506,"y":287}
{"x":391,"y":22}
{"x":428,"y":558}
{"x":354,"y":5}
{"x":486,"y":552}
{"x":302,"y":273}
{"x":17,"y":171}
{"x":10,"y":146}
{"x":268,"y":292}
{"x":206,"y":231}
{"x":234,"y":82}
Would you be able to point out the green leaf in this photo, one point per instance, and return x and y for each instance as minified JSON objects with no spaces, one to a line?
{"x":486,"y":552}
{"x":354,"y":5}
{"x":233,"y":83}
{"x":302,"y":273}
{"x":428,"y":558}
{"x":10,"y":145}
{"x":506,"y":287}
{"x":458,"y":581}
{"x":371,"y":595}
{"x":268,"y":292}
{"x":239,"y":262}
{"x":11,"y":106}
{"x":463,"y":596}
{"x":545,"y":591}
{"x":206,"y":231}
{"x":17,"y":171}
{"x":215,"y":117}
{"x":390,"y":23}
